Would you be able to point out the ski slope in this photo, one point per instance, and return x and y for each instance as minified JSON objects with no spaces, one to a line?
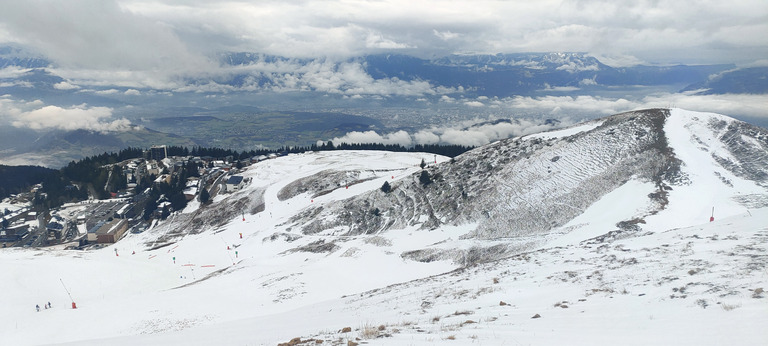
{"x":681,"y":280}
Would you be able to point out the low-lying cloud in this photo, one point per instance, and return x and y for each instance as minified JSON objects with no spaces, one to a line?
{"x":472,"y":136}
{"x":727,"y":104}
{"x":567,"y":109}
{"x":72,"y":118}
{"x":38,"y":116}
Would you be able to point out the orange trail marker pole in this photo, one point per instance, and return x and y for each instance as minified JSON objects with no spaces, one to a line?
{"x":70,"y":295}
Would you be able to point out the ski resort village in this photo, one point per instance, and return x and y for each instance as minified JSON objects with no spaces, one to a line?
{"x":129,"y":205}
{"x":642,"y":228}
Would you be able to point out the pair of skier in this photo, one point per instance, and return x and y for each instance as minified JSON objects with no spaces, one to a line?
{"x":47,"y":306}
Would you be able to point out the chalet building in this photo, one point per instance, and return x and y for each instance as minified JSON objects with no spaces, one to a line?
{"x":153,"y":168}
{"x":163,"y":207}
{"x":56,"y":227}
{"x":190,"y":191}
{"x":234,"y":183}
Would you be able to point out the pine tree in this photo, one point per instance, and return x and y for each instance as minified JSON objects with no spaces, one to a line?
{"x":204,"y":196}
{"x":424,"y":178}
{"x":386,"y":187}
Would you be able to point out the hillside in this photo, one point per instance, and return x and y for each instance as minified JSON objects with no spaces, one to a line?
{"x":16,"y":179}
{"x":602,"y":230}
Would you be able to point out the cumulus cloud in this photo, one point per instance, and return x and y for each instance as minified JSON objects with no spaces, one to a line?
{"x":355,"y":137}
{"x":38,"y":116}
{"x":65,"y":86}
{"x":474,"y":104}
{"x":588,"y":81}
{"x":473,"y":136}
{"x":72,"y":118}
{"x":426,"y":137}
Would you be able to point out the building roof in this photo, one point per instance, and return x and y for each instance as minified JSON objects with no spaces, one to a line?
{"x":111,"y":227}
{"x":96,"y":227}
{"x":235,"y":180}
{"x":55,"y":226}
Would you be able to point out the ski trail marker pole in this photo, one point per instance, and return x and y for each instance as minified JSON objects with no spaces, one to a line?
{"x":74,"y":306}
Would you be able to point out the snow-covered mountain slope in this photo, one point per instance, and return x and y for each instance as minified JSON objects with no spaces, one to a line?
{"x":522,"y":191}
{"x":617,"y":227}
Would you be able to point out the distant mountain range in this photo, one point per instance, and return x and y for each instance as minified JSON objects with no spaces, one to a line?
{"x":487,"y":75}
{"x":506,"y":74}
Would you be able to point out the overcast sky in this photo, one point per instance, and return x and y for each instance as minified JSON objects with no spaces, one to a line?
{"x":97,"y":45}
{"x":133,"y":35}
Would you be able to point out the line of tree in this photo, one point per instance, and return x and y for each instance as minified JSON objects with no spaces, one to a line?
{"x":17,"y":179}
{"x":450,"y":150}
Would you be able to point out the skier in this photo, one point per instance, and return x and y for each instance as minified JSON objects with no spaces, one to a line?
{"x":37,"y":306}
{"x":49,"y":305}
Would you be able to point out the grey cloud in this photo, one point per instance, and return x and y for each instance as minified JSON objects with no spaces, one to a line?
{"x":155,"y":43}
{"x":97,"y":36}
